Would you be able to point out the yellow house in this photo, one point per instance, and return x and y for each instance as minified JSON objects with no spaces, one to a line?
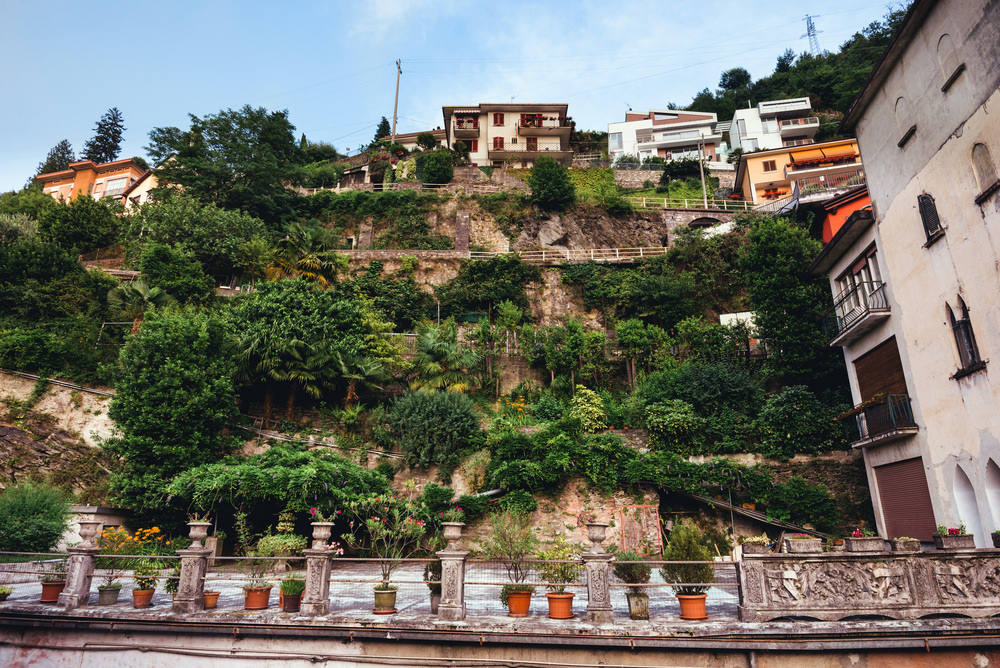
{"x":780,"y":178}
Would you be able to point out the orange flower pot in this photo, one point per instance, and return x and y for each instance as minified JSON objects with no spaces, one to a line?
{"x":518,"y":603}
{"x":142,"y":598}
{"x":693,"y":606}
{"x":51,"y":591}
{"x":257,"y":598}
{"x":211,"y":599}
{"x":560,"y":605}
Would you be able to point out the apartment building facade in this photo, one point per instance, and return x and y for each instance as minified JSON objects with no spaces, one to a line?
{"x":666,"y":133}
{"x":109,"y":179}
{"x":774,"y":124}
{"x":917,"y":300}
{"x":510,"y":134}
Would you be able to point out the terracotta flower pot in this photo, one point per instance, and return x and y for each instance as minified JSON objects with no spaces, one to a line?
{"x":638,"y":605}
{"x":51,"y":591}
{"x":692,"y":606}
{"x":256,"y":598}
{"x":385,"y":601}
{"x":290,"y":602}
{"x":211,"y":599}
{"x":142,"y":598}
{"x":560,"y":605}
{"x":518,"y":603}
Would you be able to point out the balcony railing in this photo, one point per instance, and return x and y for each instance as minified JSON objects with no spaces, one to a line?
{"x":886,"y":419}
{"x":797,"y":123}
{"x":853,"y":309}
{"x":816,"y":185}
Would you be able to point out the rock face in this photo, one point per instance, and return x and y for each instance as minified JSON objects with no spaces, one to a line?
{"x":73,"y":411}
{"x":588,"y":227}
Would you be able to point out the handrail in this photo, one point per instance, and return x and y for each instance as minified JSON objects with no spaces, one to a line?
{"x":852,"y":305}
{"x":890,"y":414}
{"x":689,"y":203}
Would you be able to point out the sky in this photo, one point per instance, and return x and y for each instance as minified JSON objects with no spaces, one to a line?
{"x":332,"y":64}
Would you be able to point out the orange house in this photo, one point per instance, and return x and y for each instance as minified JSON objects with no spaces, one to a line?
{"x":839,"y":209}
{"x":110,"y":179}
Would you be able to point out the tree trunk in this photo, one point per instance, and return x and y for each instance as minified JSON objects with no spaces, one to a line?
{"x":268,"y":400}
{"x":290,"y":408}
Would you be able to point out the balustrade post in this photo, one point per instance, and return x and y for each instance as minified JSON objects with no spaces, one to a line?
{"x":598,"y":567}
{"x":80,"y":568}
{"x":452,"y":605}
{"x":190,"y":596}
{"x":316,"y":597}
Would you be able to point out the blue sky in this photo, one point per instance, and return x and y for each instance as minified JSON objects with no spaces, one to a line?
{"x":332,"y":64}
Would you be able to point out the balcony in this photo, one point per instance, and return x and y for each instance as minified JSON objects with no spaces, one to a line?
{"x":467,"y":130}
{"x":791,"y":143}
{"x":785,"y":108}
{"x":514,"y":154}
{"x":544,"y":126}
{"x":855,"y":313}
{"x":799,"y":127}
{"x":878,"y":421}
{"x":824,"y":187}
{"x":679,"y":139}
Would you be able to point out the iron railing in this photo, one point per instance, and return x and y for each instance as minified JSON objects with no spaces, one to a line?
{"x":886,"y":416}
{"x":852,"y":306}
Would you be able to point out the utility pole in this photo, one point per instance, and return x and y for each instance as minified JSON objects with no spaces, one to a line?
{"x":395,"y":104}
{"x":701,"y":168}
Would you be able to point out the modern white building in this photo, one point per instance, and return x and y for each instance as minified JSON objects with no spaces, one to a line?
{"x":773,"y":124}
{"x":666,"y":133}
{"x":915,"y":278}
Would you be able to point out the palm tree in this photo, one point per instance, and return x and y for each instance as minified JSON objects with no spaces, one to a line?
{"x":305,"y":251}
{"x":441,"y":362}
{"x":132,"y":300}
{"x":254,"y":256}
{"x":357,"y":370}
{"x":297,"y":363}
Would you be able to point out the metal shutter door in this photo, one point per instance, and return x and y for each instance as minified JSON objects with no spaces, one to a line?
{"x":906,"y":501}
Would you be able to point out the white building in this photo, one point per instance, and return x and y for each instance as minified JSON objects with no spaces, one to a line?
{"x":510,"y":134}
{"x":917,"y":306}
{"x":773,"y":124}
{"x":665,"y":133}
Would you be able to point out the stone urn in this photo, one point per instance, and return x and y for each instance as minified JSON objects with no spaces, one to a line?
{"x":453,"y":533}
{"x":321,"y":534}
{"x":597,"y":533}
{"x":88,"y":529}
{"x":197,"y":532}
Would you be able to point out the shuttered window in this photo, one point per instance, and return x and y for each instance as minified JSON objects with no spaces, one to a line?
{"x":906,"y":501}
{"x":929,"y":215}
{"x":880,"y":371}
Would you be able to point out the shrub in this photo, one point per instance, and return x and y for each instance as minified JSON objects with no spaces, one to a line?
{"x":437,"y":498}
{"x":33,"y":517}
{"x":587,"y":406}
{"x":685,"y":546}
{"x":800,"y":501}
{"x":281,"y":545}
{"x":473,"y":506}
{"x":551,"y":188}
{"x":435,"y":167}
{"x":433,"y":427}
{"x":518,"y":501}
{"x":674,"y":425}
{"x":633,"y":574}
{"x":548,"y":408}
{"x":796,"y":421}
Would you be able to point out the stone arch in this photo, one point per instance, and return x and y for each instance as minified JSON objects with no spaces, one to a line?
{"x":966,"y":505}
{"x":992,"y":486}
{"x":904,"y":120}
{"x":705,"y":221}
{"x":947,"y":56}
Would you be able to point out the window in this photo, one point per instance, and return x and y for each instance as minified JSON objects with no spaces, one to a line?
{"x":498,"y":118}
{"x":741,"y":127}
{"x":948,"y":60}
{"x":498,"y":143}
{"x":906,"y":128}
{"x":615,"y":141}
{"x":115,"y":187}
{"x":473,"y":145}
{"x":532,"y":143}
{"x":985,"y":171}
{"x":965,"y":341}
{"x":770,"y":166}
{"x":929,"y":216}
{"x":750,"y":145}
{"x":770,"y":125}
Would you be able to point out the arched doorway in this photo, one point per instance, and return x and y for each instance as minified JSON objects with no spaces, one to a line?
{"x":967,"y":506}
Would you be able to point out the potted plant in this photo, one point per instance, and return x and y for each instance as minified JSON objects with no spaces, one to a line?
{"x":172,"y":582}
{"x":803,"y":542}
{"x":905,"y":544}
{"x":53,"y":582}
{"x":864,"y":540}
{"x":996,"y":538}
{"x":511,"y":540}
{"x":211,"y":598}
{"x":691,"y":580}
{"x":257,"y":590}
{"x":5,"y":591}
{"x":953,"y":538}
{"x":291,"y":592}
{"x":756,"y":544}
{"x":633,"y":571}
{"x":146,"y":576}
{"x":560,"y":567}
{"x":393,"y":531}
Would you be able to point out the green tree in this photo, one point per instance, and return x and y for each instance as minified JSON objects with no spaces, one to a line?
{"x":480,"y":284}
{"x":237,"y":159}
{"x":442,"y":363}
{"x":175,"y":396}
{"x":58,"y":159}
{"x":177,"y":272}
{"x":383,"y":131}
{"x":435,"y":167}
{"x":426,"y":141}
{"x":85,"y":224}
{"x":305,"y":251}
{"x":33,"y":517}
{"x":133,"y":300}
{"x":551,"y":188}
{"x":433,"y":428}
{"x":106,"y":144}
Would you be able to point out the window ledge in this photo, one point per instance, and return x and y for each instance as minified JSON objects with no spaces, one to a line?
{"x":952,"y":78}
{"x":933,"y":239}
{"x":969,"y":370}
{"x":985,"y":195}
